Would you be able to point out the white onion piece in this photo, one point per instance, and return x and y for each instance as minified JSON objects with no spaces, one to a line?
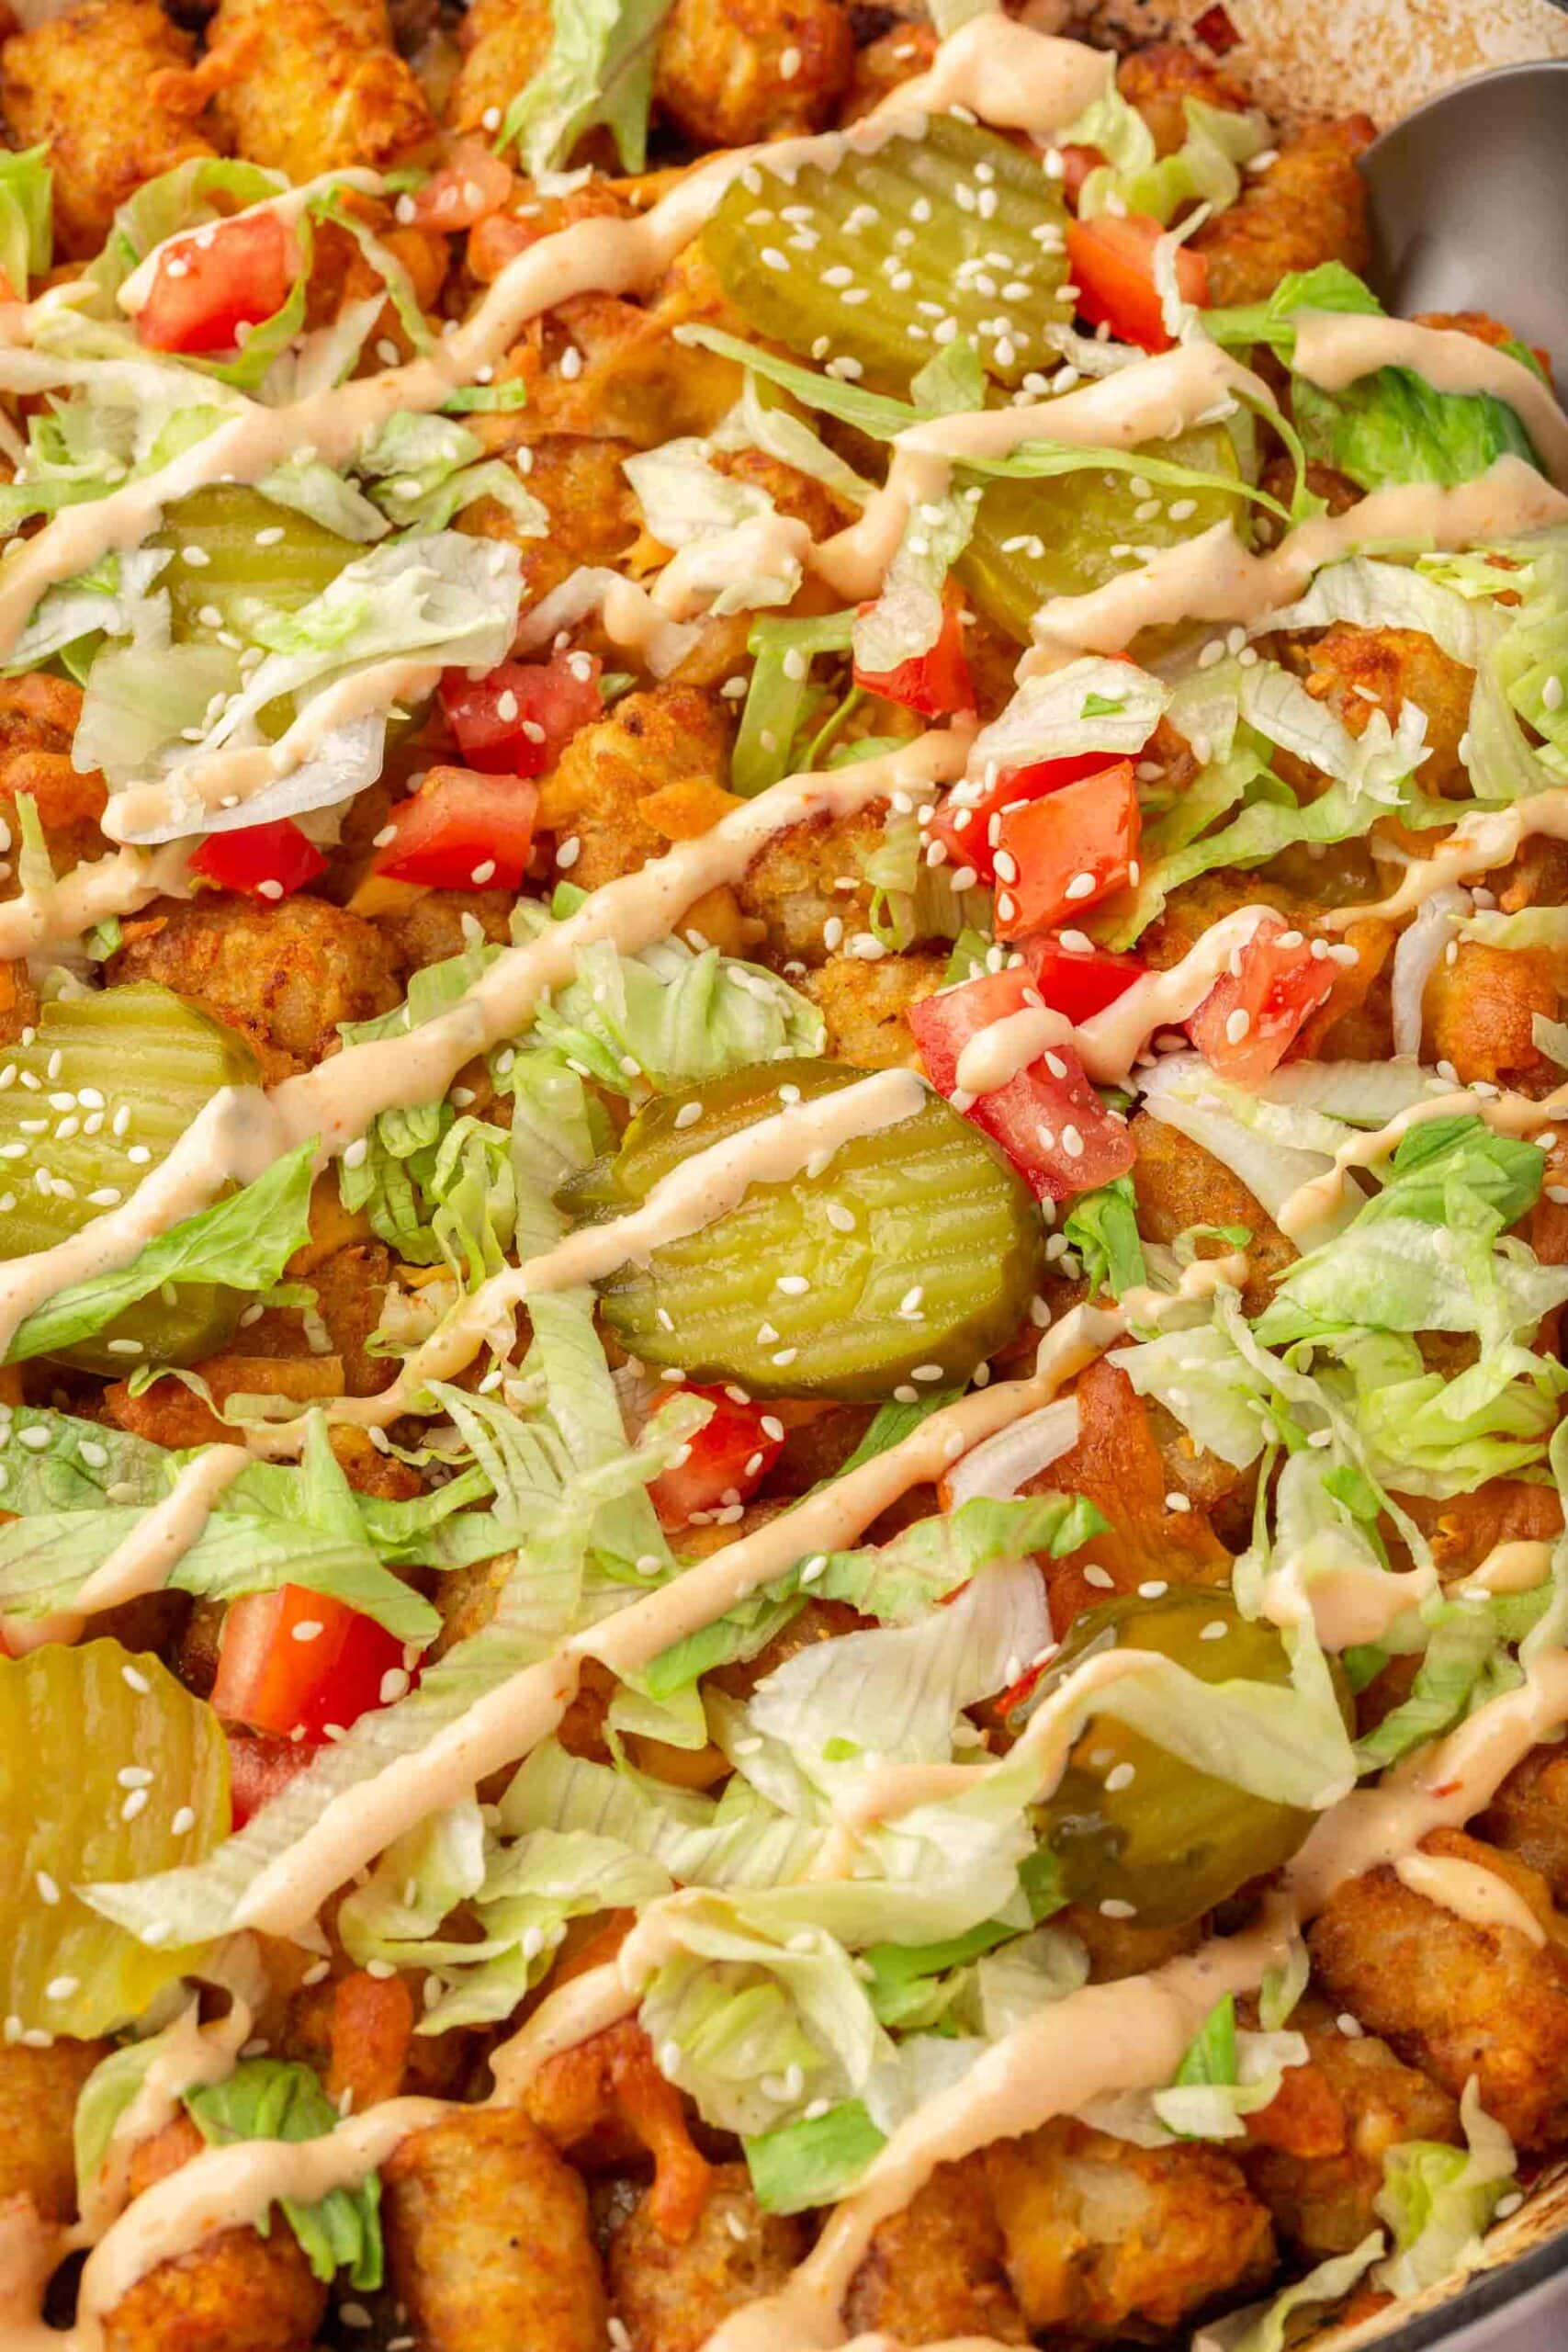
{"x":999,"y":1466}
{"x":1415,"y":959}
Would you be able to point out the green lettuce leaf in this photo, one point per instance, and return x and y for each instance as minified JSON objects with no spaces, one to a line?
{"x":814,"y":2162}
{"x":243,"y":1243}
{"x":1438,"y":2201}
{"x":599,"y":70}
{"x":272,"y":2099}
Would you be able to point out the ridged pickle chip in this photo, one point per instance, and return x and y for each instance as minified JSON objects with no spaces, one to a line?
{"x":103,"y":1091}
{"x":882,"y":262}
{"x":109,"y":1769}
{"x":902,"y":1264}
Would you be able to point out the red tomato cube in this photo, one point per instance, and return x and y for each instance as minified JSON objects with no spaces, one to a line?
{"x":1056,"y":857}
{"x":1251,"y":1018}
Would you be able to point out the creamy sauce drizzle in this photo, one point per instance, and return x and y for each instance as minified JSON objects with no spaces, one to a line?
{"x":1315,"y":1203}
{"x":1214,"y":577}
{"x":1334,"y":347}
{"x":192,"y":2053}
{"x":997,"y":1054}
{"x":1470,"y":1891}
{"x":187,"y":800}
{"x":37,"y":921}
{"x":1475,"y":846}
{"x":504,"y":1725}
{"x":1519,"y":1566}
{"x":1154,"y":400}
{"x":1127,"y":2036}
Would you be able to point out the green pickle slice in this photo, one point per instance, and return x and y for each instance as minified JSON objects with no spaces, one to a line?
{"x":890,"y":255}
{"x":73,"y":1723}
{"x":231,"y":548}
{"x":1071,"y":533}
{"x":1168,"y":1840}
{"x":102,"y":1091}
{"x":919,"y":1248}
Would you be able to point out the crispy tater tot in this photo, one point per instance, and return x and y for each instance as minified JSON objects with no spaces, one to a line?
{"x":671,"y":2296}
{"x":1310,"y":206}
{"x":310,"y":86}
{"x":1101,"y":2239}
{"x":728,"y":72}
{"x":87,"y":84}
{"x":284,"y":976}
{"x":236,"y":2291}
{"x":1453,"y":1996}
{"x":487,"y":2231}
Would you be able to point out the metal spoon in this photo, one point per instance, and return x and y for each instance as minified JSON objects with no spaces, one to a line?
{"x":1470,"y":204}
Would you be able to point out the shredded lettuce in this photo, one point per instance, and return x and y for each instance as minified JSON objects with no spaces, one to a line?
{"x":898,"y":1581}
{"x":777,"y":697}
{"x":814,"y":2162}
{"x":275,"y":2099}
{"x":1102,"y":1227}
{"x":1438,"y":2201}
{"x":599,"y":70}
{"x":1090,"y":704}
{"x":547,"y":1505}
{"x":1134,"y":178}
{"x":150,"y":708}
{"x":27,"y":217}
{"x":243,"y":1243}
{"x":905,"y":620}
{"x":1389,"y":427}
{"x":1264,"y":2327}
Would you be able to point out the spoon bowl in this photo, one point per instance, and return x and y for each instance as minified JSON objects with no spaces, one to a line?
{"x":1469,"y":202}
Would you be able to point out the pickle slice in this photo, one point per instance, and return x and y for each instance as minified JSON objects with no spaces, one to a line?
{"x":100,"y":1092}
{"x":1072,"y":533}
{"x":1167,"y":1839}
{"x":111,"y":1770}
{"x":908,"y":1260}
{"x":229,"y":548}
{"x":889,"y":257}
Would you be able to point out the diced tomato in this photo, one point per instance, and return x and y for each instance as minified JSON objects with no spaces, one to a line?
{"x":259,"y":1769}
{"x":967,"y":827}
{"x":1078,"y":982}
{"x":461,"y":832}
{"x":725,"y":1462}
{"x":1112,"y":267}
{"x":292,"y":1662}
{"x":261,"y":861}
{"x":1049,"y":1120}
{"x":1076,"y":165}
{"x":212,"y":283}
{"x":1248,"y":1020}
{"x":933,"y":683}
{"x":1057,"y":856}
{"x":472,"y":184}
{"x":518,"y":721}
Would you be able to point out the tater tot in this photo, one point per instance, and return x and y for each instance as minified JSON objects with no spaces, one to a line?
{"x":237,"y":2291}
{"x":487,"y":2230}
{"x":728,"y":72}
{"x":1310,"y":206}
{"x":38,"y":2097}
{"x":1102,"y":2239}
{"x":311,"y":85}
{"x":504,"y":42}
{"x":671,"y":2296}
{"x":1453,"y":1998}
{"x":85,"y":83}
{"x":939,"y":2267}
{"x":284,"y":975}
